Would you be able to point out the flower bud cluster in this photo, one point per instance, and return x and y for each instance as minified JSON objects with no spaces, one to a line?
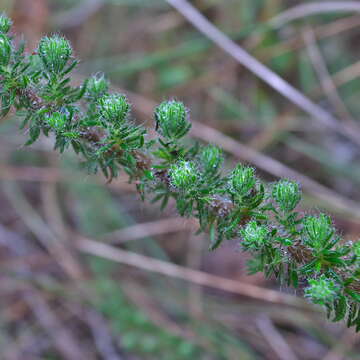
{"x":172,"y":120}
{"x":57,"y":121}
{"x":254,"y":236}
{"x":183,"y":175}
{"x":321,"y":291}
{"x":242,"y":180}
{"x":287,"y":194}
{"x":114,"y":108}
{"x":5,"y":24}
{"x":318,"y":230}
{"x":54,"y":52}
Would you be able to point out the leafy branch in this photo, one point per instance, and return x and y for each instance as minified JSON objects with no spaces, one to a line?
{"x":303,"y":251}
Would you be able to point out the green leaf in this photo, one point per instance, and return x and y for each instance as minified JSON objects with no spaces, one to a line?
{"x":34,"y":134}
{"x":340,"y":306}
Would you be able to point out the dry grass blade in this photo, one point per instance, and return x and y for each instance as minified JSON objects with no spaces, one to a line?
{"x":275,"y":339}
{"x":324,"y":76}
{"x":152,"y":228}
{"x":303,"y":10}
{"x":198,"y":277}
{"x":61,"y":253}
{"x":79,"y":14}
{"x":260,"y":70}
{"x":49,"y":321}
{"x":347,"y":74}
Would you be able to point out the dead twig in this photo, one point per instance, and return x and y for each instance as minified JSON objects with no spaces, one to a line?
{"x":324,"y":76}
{"x":64,"y":341}
{"x":150,"y":229}
{"x":260,"y":70}
{"x":198,"y":277}
{"x":303,"y":10}
{"x":61,"y":253}
{"x":275,"y":339}
{"x":79,"y":14}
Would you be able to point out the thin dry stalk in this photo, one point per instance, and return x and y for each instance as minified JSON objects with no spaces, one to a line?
{"x":324,"y":76}
{"x":260,"y":70}
{"x":276,"y":341}
{"x":64,"y":341}
{"x":303,"y":10}
{"x":198,"y":277}
{"x":150,"y":229}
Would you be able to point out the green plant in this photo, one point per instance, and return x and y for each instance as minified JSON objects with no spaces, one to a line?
{"x":96,"y":124}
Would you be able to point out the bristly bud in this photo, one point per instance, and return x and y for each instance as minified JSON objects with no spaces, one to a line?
{"x":211,"y":159}
{"x":54,"y":52}
{"x":57,"y":121}
{"x":114,"y":108}
{"x":5,"y":50}
{"x":321,"y":291}
{"x":183,"y":175}
{"x":254,"y":236}
{"x":242,"y":180}
{"x":287,"y":194}
{"x":172,"y":120}
{"x":5,"y":23}
{"x":319,"y":230}
{"x":97,"y":87}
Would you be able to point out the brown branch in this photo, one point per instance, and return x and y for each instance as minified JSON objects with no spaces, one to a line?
{"x":198,"y":277}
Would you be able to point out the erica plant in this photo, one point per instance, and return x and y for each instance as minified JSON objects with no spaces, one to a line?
{"x":303,"y":251}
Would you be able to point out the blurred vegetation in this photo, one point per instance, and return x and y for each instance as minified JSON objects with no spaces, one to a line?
{"x":117,"y":312}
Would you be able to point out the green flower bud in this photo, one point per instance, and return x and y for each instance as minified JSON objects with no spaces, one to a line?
{"x":97,"y":87}
{"x":5,"y":50}
{"x":242,"y":180}
{"x":5,"y":23}
{"x":114,"y":108}
{"x":57,"y":121}
{"x":54,"y":53}
{"x":171,"y":120}
{"x":319,"y":230}
{"x":287,"y":194}
{"x":321,"y":291}
{"x":254,"y":236}
{"x":211,"y":159}
{"x":183,"y":175}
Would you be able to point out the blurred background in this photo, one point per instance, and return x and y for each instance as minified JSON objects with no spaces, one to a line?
{"x":67,"y":238}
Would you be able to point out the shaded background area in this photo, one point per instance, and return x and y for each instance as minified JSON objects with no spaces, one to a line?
{"x":60,"y":302}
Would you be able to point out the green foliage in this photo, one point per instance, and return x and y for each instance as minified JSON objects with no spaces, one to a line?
{"x":171,"y":119}
{"x":318,"y":230}
{"x":54,"y":53}
{"x":211,"y":159}
{"x":183,"y":175}
{"x":321,"y":291}
{"x":97,"y":87}
{"x":242,"y":180}
{"x":5,"y":23}
{"x":254,"y":236}
{"x":96,"y":124}
{"x":114,"y":108}
{"x":286,"y":194}
{"x":5,"y":50}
